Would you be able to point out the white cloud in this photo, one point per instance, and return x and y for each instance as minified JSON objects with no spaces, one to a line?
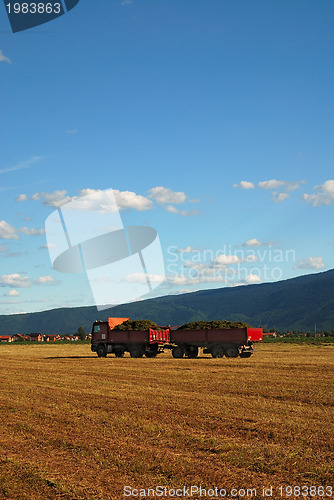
{"x":163,"y":195}
{"x":166,"y":195}
{"x":8,"y":232}
{"x":15,"y":280}
{"x":31,"y":231}
{"x":187,"y":249}
{"x":172,"y":209}
{"x":48,"y":245}
{"x":45,"y":280}
{"x":204,"y":268}
{"x":128,"y":199}
{"x":279,"y":197}
{"x":324,"y":194}
{"x":272,"y":184}
{"x":12,"y":293}
{"x":310,"y":263}
{"x":55,"y":199}
{"x":94,"y":200}
{"x":280,"y":188}
{"x":244,"y":185}
{"x":184,"y":213}
{"x":142,"y":278}
{"x":72,"y":132}
{"x":292,"y":186}
{"x":254,"y":242}
{"x":217,"y":271}
{"x":275,"y":184}
{"x":98,"y":200}
{"x":22,"y":165}
{"x":252,"y":279}
{"x":180,"y":279}
{"x":4,"y":58}
{"x":3,"y":248}
{"x":225,"y":260}
{"x":186,"y":290}
{"x":103,"y":200}
{"x":183,"y":280}
{"x":22,"y":197}
{"x":34,"y":197}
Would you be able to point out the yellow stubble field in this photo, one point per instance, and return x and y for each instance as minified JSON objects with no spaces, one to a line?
{"x":74,"y":426}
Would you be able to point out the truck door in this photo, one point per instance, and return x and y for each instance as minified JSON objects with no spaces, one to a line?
{"x":100,"y":332}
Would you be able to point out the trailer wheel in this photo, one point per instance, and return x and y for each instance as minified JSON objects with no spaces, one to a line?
{"x":231,"y":351}
{"x":136,"y":351}
{"x":100,"y":351}
{"x":245,"y":354}
{"x":177,"y":352}
{"x":192,"y":352}
{"x":217,"y":351}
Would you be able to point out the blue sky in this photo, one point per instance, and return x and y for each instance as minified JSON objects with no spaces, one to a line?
{"x":212,"y":121}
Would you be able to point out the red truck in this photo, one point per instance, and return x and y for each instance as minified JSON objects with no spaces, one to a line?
{"x":229,"y":342}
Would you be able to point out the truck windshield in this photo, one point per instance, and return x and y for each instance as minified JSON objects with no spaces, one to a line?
{"x":96,"y":328}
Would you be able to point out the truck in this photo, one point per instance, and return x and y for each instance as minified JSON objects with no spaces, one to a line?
{"x":229,"y":342}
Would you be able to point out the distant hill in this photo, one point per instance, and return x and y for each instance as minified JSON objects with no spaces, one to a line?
{"x":293,"y":304}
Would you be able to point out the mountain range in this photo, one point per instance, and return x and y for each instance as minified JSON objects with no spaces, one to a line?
{"x":296,"y":304}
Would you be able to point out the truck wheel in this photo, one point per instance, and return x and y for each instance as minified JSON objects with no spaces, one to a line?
{"x":119,"y":354}
{"x":192,"y":352}
{"x":231,"y":351}
{"x":136,"y":351}
{"x":217,"y":351}
{"x":151,"y":354}
{"x":177,"y":352}
{"x":100,"y":351}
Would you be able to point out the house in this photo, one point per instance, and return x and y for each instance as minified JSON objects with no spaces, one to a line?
{"x":36,"y":337}
{"x":6,"y":338}
{"x":51,"y":338}
{"x":18,"y":337}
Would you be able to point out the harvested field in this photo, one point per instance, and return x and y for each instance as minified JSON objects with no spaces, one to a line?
{"x":75,"y":426}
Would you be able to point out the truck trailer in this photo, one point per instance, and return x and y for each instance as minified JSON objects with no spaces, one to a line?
{"x":229,"y":342}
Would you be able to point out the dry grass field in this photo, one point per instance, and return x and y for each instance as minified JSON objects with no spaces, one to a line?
{"x":74,"y":426}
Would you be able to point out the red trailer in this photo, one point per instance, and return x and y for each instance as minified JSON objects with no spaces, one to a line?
{"x":229,"y":342}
